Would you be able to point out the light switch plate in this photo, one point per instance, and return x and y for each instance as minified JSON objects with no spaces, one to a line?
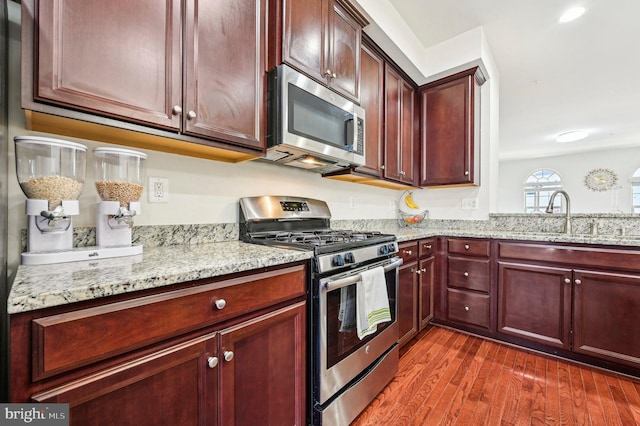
{"x":158,"y":190}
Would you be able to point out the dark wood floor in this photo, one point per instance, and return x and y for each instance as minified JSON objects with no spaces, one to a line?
{"x":451,"y":378}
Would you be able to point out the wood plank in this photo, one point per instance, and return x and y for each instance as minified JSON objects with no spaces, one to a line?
{"x":539,"y":392}
{"x":580,"y":412}
{"x":496,"y":407}
{"x":564,"y":391}
{"x":525,"y":401}
{"x":594,"y":406}
{"x":481,"y":411}
{"x":633,"y":398}
{"x":620,"y":400}
{"x":552,"y":404}
{"x":610,"y":411}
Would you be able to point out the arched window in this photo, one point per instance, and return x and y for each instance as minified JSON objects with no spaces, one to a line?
{"x":635,"y":185}
{"x":538,"y":188}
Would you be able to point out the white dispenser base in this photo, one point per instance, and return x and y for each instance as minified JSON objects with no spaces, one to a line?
{"x":41,"y":237}
{"x":108,"y":233}
{"x":78,"y":254}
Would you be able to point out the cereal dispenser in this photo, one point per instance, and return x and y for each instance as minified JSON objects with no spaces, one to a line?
{"x":119,"y":175}
{"x":51,"y":174}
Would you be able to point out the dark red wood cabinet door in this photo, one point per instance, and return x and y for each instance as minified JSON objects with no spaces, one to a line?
{"x":263,"y":370}
{"x":534,"y":302}
{"x":407,"y":302}
{"x":304,"y":39}
{"x":225,"y":71}
{"x":115,"y":58}
{"x":605,"y":316}
{"x":447,"y":133}
{"x":392,"y":131}
{"x":174,"y":386}
{"x":427,"y":282}
{"x":372,"y":100}
{"x":345,"y":37}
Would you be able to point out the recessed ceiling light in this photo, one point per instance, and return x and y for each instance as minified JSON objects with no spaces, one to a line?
{"x":572,"y":136}
{"x":571,"y":14}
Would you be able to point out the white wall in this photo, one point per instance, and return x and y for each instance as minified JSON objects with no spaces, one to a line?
{"x":573,"y":168}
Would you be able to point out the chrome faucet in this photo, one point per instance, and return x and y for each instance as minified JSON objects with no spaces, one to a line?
{"x":567,"y":224}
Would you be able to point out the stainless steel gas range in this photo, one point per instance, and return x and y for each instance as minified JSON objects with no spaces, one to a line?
{"x":346,"y":371}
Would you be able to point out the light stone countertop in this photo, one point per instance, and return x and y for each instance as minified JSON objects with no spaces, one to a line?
{"x":44,"y":286}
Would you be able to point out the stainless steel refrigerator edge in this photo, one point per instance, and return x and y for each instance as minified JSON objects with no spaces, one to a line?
{"x":4,"y":179}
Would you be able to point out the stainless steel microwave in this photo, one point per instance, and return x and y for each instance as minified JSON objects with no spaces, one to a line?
{"x":310,"y":126}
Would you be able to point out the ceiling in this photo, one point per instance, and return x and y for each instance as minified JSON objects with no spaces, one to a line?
{"x":553,"y":77}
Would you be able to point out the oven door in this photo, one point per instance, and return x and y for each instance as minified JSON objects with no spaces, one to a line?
{"x":343,"y":356}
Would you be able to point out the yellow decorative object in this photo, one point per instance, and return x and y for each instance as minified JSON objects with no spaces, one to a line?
{"x":408,"y":200}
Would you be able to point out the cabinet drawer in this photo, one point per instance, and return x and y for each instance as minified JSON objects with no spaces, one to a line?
{"x":469,"y":246}
{"x":427,"y":248}
{"x":469,"y":308}
{"x":70,"y":340}
{"x":468,"y":273}
{"x":408,"y":252}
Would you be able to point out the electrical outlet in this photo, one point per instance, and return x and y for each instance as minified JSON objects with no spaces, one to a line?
{"x":352,"y":202}
{"x":158,"y":190}
{"x":470,"y":203}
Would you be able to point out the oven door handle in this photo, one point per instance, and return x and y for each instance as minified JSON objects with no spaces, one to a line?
{"x":343,"y":282}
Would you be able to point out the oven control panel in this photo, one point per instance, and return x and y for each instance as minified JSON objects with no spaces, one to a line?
{"x":331,"y":261}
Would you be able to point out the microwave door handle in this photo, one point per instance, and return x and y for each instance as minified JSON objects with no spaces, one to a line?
{"x":343,"y":282}
{"x":350,"y":129}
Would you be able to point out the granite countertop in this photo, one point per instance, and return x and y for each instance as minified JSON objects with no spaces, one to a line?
{"x":44,"y":286}
{"x":407,"y":234}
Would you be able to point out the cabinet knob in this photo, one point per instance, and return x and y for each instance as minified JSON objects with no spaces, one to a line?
{"x":578,"y":282}
{"x":466,"y":274}
{"x":220,"y":303}
{"x":212,"y":361}
{"x":382,"y":167}
{"x":333,"y":75}
{"x":466,"y":247}
{"x":407,"y":252}
{"x":401,"y":173}
{"x":418,"y":271}
{"x":191,"y":115}
{"x":466,"y":308}
{"x":228,"y":355}
{"x":423,"y":269}
{"x":427,"y":246}
{"x":176,"y":110}
{"x":327,"y":73}
{"x":567,"y":281}
{"x":466,"y":172}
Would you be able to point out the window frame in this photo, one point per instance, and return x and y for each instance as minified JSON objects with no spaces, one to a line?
{"x":543,"y":184}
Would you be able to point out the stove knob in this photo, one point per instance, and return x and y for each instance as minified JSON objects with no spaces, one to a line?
{"x":337,"y":260}
{"x":392,"y":248}
{"x":348,"y":258}
{"x":383,"y":250}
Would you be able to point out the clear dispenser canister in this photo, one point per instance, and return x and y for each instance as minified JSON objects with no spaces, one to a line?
{"x":50,"y":169}
{"x":120,"y":174}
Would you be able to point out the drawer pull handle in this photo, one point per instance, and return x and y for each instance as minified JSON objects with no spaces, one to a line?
{"x":427,"y":246}
{"x":567,"y":281}
{"x":466,"y":308}
{"x":466,"y":247}
{"x":212,"y":361}
{"x":466,"y":274}
{"x":578,"y":282}
{"x":220,"y":303}
{"x":228,"y":356}
{"x":407,"y":252}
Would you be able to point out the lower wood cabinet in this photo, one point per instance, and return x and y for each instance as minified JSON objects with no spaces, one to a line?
{"x":416,"y":287}
{"x":581,"y":300}
{"x":247,"y":367}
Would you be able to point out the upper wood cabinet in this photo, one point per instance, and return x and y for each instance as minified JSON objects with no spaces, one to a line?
{"x":450,"y":130}
{"x":197,"y":70}
{"x":400,"y":153}
{"x":321,"y":39}
{"x":372,"y":100}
